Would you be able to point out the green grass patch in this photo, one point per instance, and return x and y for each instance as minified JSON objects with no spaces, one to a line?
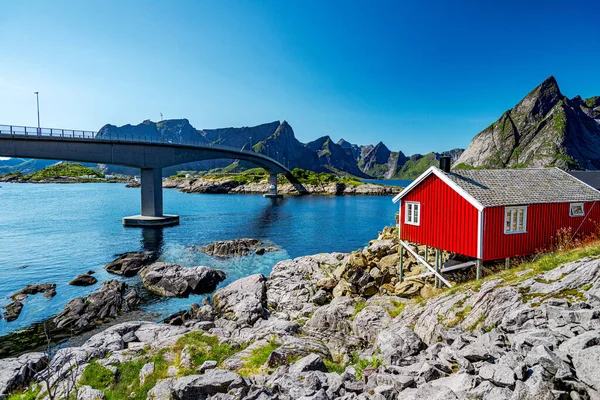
{"x":96,"y":375}
{"x":27,"y":394}
{"x":361,"y":363}
{"x":257,"y":359}
{"x":398,"y":308}
{"x":358,"y":307}
{"x":459,"y":316}
{"x":204,"y":347}
{"x":127,"y":384}
{"x":334,"y":366}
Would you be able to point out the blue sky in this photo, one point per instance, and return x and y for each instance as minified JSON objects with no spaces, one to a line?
{"x":418,"y":75}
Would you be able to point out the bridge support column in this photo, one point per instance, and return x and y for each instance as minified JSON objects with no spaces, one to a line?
{"x":152,"y":202}
{"x":273,"y":188}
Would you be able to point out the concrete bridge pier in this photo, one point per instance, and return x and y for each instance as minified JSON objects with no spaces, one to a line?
{"x":273,"y":187}
{"x":152,"y":202}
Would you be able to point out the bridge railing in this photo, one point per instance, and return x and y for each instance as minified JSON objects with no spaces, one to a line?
{"x":34,"y":132}
{"x":52,"y":132}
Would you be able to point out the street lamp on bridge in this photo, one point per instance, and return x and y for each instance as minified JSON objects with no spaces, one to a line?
{"x":37,"y":96}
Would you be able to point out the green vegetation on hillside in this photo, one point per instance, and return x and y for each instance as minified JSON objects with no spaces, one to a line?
{"x":320,"y":178}
{"x":256,"y":175}
{"x":413,"y":168}
{"x":67,"y":169}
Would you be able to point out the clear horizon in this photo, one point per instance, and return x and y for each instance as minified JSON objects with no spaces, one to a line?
{"x":419,"y":78}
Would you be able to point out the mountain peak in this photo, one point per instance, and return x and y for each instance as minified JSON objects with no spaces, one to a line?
{"x":544,"y":129}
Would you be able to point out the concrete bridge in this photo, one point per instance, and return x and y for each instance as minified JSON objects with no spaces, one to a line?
{"x":149,"y":154}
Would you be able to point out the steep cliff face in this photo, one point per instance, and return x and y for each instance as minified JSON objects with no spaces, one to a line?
{"x":283,"y":146}
{"x":334,"y":157}
{"x":544,"y":129}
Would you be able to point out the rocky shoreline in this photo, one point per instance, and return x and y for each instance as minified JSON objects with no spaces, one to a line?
{"x":311,"y":330}
{"x":233,"y":186}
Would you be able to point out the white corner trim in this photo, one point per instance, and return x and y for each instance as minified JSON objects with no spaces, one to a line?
{"x":446,"y":180}
{"x":413,"y":184}
{"x":480,"y":216}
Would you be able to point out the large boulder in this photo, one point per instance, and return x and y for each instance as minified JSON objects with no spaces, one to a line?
{"x":293,"y":283}
{"x":18,"y":372}
{"x":397,"y":343}
{"x":231,"y":248}
{"x":129,"y":264}
{"x":243,"y":301}
{"x":331,"y":324}
{"x":13,"y":309}
{"x":369,"y":322}
{"x":84,"y":280}
{"x":107,"y":302}
{"x":172,"y":280}
{"x":213,"y":381}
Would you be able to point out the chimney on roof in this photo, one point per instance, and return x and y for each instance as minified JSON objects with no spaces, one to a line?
{"x":445,"y":163}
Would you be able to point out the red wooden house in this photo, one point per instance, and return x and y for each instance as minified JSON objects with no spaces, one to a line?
{"x":494,"y":214}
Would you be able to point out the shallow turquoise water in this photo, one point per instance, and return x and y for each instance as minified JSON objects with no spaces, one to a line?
{"x":59,"y":231}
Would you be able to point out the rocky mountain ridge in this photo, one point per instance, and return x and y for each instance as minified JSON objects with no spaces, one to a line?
{"x":277,"y":140}
{"x":544,"y":129}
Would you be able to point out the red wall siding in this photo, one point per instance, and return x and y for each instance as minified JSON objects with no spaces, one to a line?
{"x":448,"y":221}
{"x":543,"y":220}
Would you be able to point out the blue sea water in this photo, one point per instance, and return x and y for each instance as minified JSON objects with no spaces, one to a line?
{"x":50,"y":233}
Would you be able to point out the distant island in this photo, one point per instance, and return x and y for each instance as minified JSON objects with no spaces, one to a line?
{"x":256,"y":181}
{"x":62,"y":172}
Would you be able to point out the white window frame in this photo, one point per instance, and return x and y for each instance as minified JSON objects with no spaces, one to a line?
{"x":409,"y":219}
{"x":575,"y":205}
{"x":514,"y":212}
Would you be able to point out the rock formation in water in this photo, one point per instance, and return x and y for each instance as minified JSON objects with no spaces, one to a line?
{"x":172,"y":280}
{"x":231,"y":248}
{"x":544,"y":129}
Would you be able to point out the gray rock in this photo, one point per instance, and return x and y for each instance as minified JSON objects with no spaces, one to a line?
{"x":498,"y":374}
{"x":85,"y":312}
{"x":172,"y":280}
{"x":292,"y":283}
{"x":311,"y":362}
{"x":147,"y":369}
{"x":162,"y":390}
{"x":369,"y":322}
{"x":398,"y":382}
{"x":88,"y":393}
{"x":295,"y":347}
{"x":584,"y":352}
{"x":488,"y":391}
{"x":18,"y":372}
{"x":475,"y":351}
{"x":84,"y":280}
{"x":396,"y":344}
{"x":12,"y":310}
{"x":331,"y":323}
{"x":243,"y":301}
{"x":206,"y":365}
{"x":232,"y":248}
{"x":321,"y":297}
{"x":129,"y":264}
{"x":459,"y":383}
{"x":213,"y":381}
{"x":429,"y":392}
{"x":205,"y":312}
{"x":551,"y":363}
